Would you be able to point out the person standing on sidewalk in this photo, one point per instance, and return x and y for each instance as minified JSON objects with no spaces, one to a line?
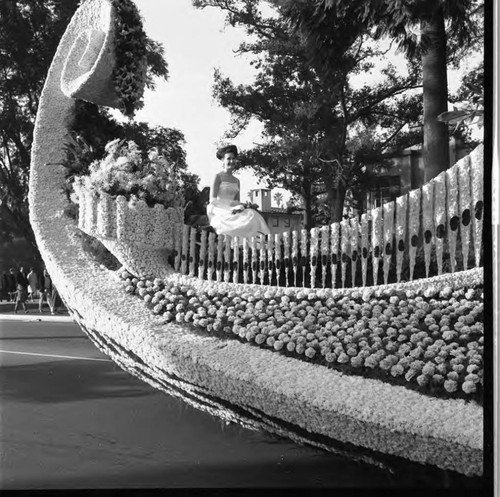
{"x":48,"y":292}
{"x":21,"y":291}
{"x":4,"y":287}
{"x":32,"y":283}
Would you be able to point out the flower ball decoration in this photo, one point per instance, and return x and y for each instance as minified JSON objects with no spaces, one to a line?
{"x":133,"y":206}
{"x":428,"y":338}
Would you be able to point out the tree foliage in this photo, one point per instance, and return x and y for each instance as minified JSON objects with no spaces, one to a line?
{"x":30,"y":31}
{"x":433,"y":32}
{"x":316,"y":124}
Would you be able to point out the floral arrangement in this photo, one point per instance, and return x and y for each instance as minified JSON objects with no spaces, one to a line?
{"x":129,"y":76}
{"x":245,"y":205}
{"x":428,"y":337}
{"x":125,"y":171}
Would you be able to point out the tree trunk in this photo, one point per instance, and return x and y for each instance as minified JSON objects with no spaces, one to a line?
{"x":435,"y":95}
{"x":336,"y":197}
{"x":308,"y":221}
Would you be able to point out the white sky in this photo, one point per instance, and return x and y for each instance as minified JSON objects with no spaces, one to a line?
{"x":196,"y":41}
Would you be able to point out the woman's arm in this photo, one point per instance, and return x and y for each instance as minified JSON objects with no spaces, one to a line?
{"x":238,"y":193}
{"x":214,"y":190}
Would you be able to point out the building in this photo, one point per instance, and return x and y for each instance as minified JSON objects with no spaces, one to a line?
{"x":405,"y":171}
{"x":277,"y":219}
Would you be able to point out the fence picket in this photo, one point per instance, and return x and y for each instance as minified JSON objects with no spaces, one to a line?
{"x":354,"y":242}
{"x":270,"y":257}
{"x":185,"y":249}
{"x":220,"y":258}
{"x":254,"y":266}
{"x":246,"y":265}
{"x":286,"y":255}
{"x":325,"y":248}
{"x":203,"y":254}
{"x":401,"y":233}
{"x":334,"y":249}
{"x":388,"y":237}
{"x":313,"y":255}
{"x":453,"y":219}
{"x":236,"y":258}
{"x":277,"y":256}
{"x":465,"y":200}
{"x":303,"y":254}
{"x":414,"y":199}
{"x":295,"y":255}
{"x":211,"y":256}
{"x":365,"y":248}
{"x":192,"y":251}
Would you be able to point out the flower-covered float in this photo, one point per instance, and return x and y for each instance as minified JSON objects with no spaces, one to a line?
{"x":382,"y":373}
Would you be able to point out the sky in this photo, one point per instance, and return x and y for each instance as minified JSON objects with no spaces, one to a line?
{"x":196,"y":42}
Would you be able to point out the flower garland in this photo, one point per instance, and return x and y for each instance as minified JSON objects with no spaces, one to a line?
{"x":439,"y":216}
{"x":477,"y":173}
{"x":388,"y":237}
{"x":414,"y":197}
{"x":452,"y":213}
{"x":129,"y":75}
{"x":365,"y":248}
{"x":427,"y":221}
{"x":377,"y":229}
{"x":465,"y":203}
{"x":401,"y":233}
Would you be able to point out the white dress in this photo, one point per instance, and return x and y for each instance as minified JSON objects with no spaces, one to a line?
{"x":246,"y":223}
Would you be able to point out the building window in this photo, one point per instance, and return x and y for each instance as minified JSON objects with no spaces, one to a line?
{"x":275,"y":222}
{"x":287,"y":222}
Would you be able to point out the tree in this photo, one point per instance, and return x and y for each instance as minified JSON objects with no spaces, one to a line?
{"x":278,"y":198}
{"x":309,"y":117}
{"x":30,"y":31}
{"x":419,"y":27}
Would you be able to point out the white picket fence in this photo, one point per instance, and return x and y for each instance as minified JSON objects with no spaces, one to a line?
{"x":416,"y":235}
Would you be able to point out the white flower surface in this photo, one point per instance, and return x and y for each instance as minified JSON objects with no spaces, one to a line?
{"x":318,"y":400}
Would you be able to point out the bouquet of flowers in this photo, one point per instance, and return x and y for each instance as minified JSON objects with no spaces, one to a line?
{"x":246,"y":205}
{"x":124,"y":170}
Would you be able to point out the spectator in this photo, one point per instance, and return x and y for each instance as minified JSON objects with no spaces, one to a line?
{"x":21,"y":291}
{"x":48,"y":292}
{"x":32,"y":283}
{"x":4,"y":287}
{"x":11,"y":284}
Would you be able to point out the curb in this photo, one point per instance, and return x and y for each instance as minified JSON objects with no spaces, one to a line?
{"x":29,"y":318}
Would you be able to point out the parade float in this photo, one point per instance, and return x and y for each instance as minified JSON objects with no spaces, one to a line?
{"x":326,"y":337}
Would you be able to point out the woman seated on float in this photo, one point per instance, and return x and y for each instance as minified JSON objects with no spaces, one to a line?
{"x":226,"y":214}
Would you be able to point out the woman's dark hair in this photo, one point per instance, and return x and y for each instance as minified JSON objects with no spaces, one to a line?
{"x":225,"y":150}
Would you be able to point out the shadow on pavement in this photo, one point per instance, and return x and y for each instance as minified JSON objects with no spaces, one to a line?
{"x":66,"y":381}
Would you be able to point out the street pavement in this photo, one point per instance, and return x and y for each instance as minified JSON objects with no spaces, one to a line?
{"x":72,"y":419}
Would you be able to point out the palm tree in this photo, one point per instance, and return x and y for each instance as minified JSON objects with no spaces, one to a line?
{"x":278,"y":198}
{"x":418,"y":27}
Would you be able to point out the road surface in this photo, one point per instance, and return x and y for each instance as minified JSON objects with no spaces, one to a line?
{"x":71,"y":418}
